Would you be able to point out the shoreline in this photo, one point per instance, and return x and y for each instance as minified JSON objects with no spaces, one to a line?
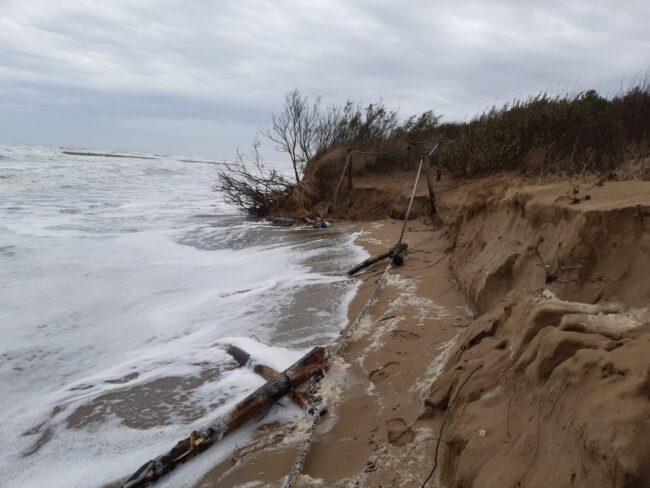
{"x":566,"y":341}
{"x":378,"y":385}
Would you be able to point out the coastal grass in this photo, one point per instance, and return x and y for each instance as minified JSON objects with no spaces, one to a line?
{"x":565,"y":134}
{"x":543,"y":134}
{"x":559,"y":135}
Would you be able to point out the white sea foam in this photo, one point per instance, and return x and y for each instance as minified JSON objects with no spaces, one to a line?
{"x":120,"y":281}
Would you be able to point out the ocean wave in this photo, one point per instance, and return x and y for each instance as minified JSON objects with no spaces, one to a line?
{"x":121,"y":285}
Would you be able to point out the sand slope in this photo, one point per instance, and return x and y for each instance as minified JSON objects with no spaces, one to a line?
{"x":511,"y":350}
{"x":555,"y":373}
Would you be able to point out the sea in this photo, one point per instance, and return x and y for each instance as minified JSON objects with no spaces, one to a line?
{"x":122,"y":282}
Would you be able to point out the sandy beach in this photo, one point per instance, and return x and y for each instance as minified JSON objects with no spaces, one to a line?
{"x":336,"y":244}
{"x":374,"y":427}
{"x":441,"y":365}
{"x":509,"y":349}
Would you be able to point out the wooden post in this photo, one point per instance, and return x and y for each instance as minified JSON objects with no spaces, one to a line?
{"x":349,"y":175}
{"x":409,"y":157}
{"x":310,"y":365}
{"x":348,"y":163}
{"x":429,"y":174}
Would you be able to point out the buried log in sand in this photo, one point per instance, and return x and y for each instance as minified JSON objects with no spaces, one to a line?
{"x":395,"y":253}
{"x":255,"y":404}
{"x":300,"y":398}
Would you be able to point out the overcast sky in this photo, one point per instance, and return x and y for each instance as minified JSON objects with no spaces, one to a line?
{"x":197,"y":77}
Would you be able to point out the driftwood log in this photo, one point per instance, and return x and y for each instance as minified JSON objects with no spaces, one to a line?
{"x":282,"y":221}
{"x":300,"y":398}
{"x":316,"y":223}
{"x":396,"y":253}
{"x":255,"y":404}
{"x":290,"y":222}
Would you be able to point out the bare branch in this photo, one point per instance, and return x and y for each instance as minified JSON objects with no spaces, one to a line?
{"x":249,"y":186}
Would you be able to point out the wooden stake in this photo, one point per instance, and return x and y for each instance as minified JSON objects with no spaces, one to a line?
{"x":429,"y":174}
{"x":349,"y":179}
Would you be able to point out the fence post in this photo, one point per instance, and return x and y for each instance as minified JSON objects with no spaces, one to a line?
{"x":349,"y":173}
{"x":430,"y":157}
{"x":409,"y":157}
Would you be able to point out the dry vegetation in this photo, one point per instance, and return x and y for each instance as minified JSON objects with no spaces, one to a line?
{"x":571,"y":134}
{"x":544,"y":135}
{"x":305,"y":131}
{"x":247,"y":184}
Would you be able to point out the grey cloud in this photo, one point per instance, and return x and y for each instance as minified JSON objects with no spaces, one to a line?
{"x":154,"y":68}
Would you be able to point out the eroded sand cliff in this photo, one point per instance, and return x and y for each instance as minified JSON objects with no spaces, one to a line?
{"x":511,"y":349}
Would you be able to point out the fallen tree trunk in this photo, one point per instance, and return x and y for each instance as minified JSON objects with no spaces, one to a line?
{"x":395,"y":253}
{"x":269,"y":374}
{"x":250,"y":407}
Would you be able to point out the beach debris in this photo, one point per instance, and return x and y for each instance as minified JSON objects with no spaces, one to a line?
{"x":574,"y":195}
{"x":253,"y":406}
{"x":290,"y":222}
{"x":318,"y":223}
{"x":282,"y":221}
{"x":396,"y":253}
{"x":259,"y":445}
{"x":243,"y":358}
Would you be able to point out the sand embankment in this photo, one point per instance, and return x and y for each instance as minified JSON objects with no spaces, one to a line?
{"x":554,"y":371}
{"x":510,"y":350}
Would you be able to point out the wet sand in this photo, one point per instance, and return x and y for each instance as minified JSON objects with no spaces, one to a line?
{"x":373,"y":434}
{"x":548,"y":384}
